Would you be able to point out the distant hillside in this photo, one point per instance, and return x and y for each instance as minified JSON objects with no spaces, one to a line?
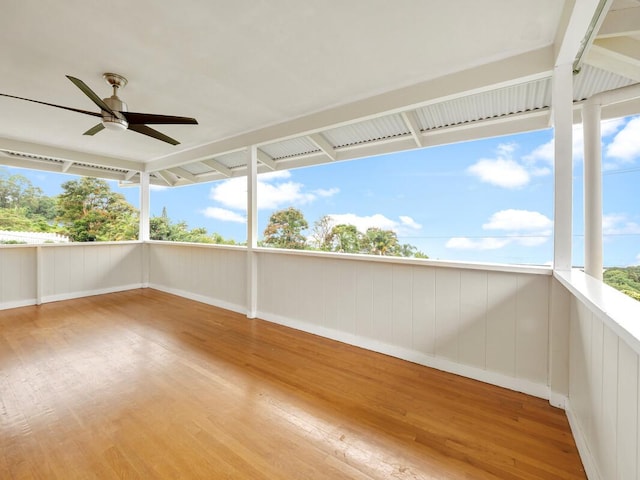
{"x":627,"y":280}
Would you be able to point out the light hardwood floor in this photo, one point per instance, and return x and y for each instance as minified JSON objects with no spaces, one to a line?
{"x":142,"y":384}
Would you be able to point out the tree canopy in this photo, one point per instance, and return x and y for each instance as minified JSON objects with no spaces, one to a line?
{"x":285,"y":229}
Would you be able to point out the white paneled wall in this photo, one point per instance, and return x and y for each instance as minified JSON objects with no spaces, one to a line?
{"x":31,"y":274}
{"x":211,"y":274}
{"x":18,"y":276}
{"x":488,"y":324}
{"x":77,"y":270}
{"x":603,"y":394}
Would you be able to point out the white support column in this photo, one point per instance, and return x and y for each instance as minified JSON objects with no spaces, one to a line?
{"x":563,"y":178}
{"x":252,"y":231}
{"x":143,"y":234}
{"x":591,"y":115}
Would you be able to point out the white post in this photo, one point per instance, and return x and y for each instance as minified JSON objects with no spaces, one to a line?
{"x":563,"y":188}
{"x":143,"y":234}
{"x":591,"y":115}
{"x":252,"y":231}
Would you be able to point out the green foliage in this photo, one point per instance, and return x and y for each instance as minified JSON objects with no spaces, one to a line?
{"x":627,"y":280}
{"x":162,"y":228}
{"x":90,"y":211}
{"x":345,"y":238}
{"x":24,"y":207}
{"x":285,"y":229}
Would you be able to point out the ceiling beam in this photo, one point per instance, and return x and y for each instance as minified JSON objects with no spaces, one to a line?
{"x":619,"y":55}
{"x":217,"y":166}
{"x":129,"y":175}
{"x":319,"y":141}
{"x":619,"y":23}
{"x":66,"y":166}
{"x":521,"y":68}
{"x":578,"y":25}
{"x":411,"y":122}
{"x":47,"y":151}
{"x":181,"y":172}
{"x":168,"y":177}
{"x":267,"y":160}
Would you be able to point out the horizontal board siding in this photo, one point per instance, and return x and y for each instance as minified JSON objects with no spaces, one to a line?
{"x":18,"y":276}
{"x":205,"y":273}
{"x":603,"y":395}
{"x":488,"y":320}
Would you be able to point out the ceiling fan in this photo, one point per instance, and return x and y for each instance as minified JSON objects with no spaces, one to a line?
{"x":114,"y":112}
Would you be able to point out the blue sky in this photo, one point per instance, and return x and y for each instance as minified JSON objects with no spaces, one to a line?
{"x":489,"y":200}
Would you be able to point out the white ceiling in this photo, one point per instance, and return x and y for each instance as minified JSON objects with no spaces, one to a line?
{"x":258,"y":71}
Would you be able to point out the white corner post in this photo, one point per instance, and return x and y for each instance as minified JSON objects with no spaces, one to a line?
{"x":591,"y":115}
{"x":144,"y":234}
{"x":563,"y":170}
{"x":252,"y":231}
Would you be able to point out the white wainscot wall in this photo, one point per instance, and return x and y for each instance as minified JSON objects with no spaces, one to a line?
{"x":18,"y":276}
{"x":82,"y":269}
{"x":603,"y":381}
{"x":212,"y":274}
{"x":32,"y":274}
{"x":483,"y":323}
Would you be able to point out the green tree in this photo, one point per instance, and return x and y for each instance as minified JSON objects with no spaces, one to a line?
{"x":345,"y":239}
{"x":321,"y":234}
{"x":285,"y":229}
{"x":90,"y":210}
{"x":379,"y":242}
{"x":20,"y":199}
{"x":162,"y":228}
{"x":627,"y":280}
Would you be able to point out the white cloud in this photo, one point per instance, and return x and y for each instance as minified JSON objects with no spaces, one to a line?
{"x":502,"y":172}
{"x":619,"y":224}
{"x":273,"y":192}
{"x":329,"y":192}
{"x":517,"y":220}
{"x":410,"y":222}
{"x":522,"y":227}
{"x":405,"y":226}
{"x":507,"y":172}
{"x":626,"y":143}
{"x":223,"y":214}
{"x":487,"y":243}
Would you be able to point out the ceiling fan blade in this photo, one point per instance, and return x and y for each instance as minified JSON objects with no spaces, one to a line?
{"x":91,"y":94}
{"x":95,"y":129}
{"x":53,"y":105}
{"x":150,"y":132}
{"x":140,"y":118}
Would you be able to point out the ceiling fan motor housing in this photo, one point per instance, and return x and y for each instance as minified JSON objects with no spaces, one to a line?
{"x":117,"y":122}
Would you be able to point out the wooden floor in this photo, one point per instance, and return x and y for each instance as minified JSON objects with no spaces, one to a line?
{"x":142,"y":384}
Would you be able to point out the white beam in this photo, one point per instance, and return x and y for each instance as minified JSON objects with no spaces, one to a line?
{"x":563,"y":169}
{"x":618,"y":55}
{"x":168,"y":177}
{"x":47,"y":151}
{"x":411,"y":122}
{"x":623,"y":22}
{"x":319,"y":141}
{"x":518,"y":69}
{"x":217,"y":166}
{"x":267,"y":160}
{"x":181,"y":172}
{"x":578,"y":25}
{"x":129,"y":175}
{"x":66,"y":166}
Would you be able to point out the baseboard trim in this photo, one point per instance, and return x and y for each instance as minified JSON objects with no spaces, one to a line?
{"x":583,"y":446}
{"x":18,"y":303}
{"x":200,"y":298}
{"x":89,"y":293}
{"x":493,"y":378}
